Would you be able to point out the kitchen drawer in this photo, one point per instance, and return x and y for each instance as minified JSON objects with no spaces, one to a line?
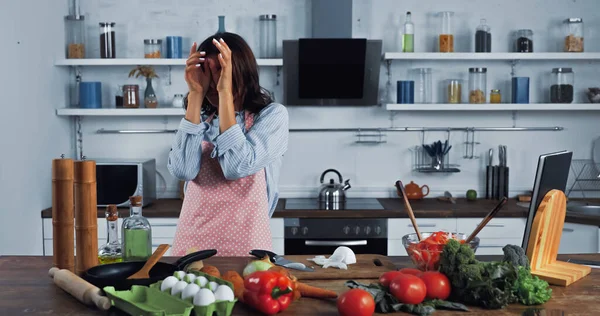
{"x":163,"y":227}
{"x":395,"y":248}
{"x":578,"y":238}
{"x":493,"y":246}
{"x":49,"y":247}
{"x":278,"y":246}
{"x":398,"y":227}
{"x":47,"y":227}
{"x":496,"y":228}
{"x":276,"y":227}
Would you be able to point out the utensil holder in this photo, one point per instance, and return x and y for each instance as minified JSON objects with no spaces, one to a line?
{"x":423,"y":162}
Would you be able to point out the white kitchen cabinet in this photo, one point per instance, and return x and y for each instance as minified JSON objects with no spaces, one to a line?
{"x":398,"y":227}
{"x":501,"y":228}
{"x":579,"y":238}
{"x":395,"y":248}
{"x":493,"y":246}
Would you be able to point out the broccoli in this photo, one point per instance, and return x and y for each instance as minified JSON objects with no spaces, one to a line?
{"x":515,"y":255}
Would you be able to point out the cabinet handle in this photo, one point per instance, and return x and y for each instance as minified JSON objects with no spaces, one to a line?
{"x":495,"y":225}
{"x":423,"y":225}
{"x":568,"y":230}
{"x":336,"y":243}
{"x":163,"y":225}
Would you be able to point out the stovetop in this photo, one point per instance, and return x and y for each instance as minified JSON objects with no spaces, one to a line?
{"x":350,"y":204}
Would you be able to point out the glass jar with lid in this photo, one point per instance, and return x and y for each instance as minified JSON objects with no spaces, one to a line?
{"x":477,"y":85}
{"x":454,"y":91}
{"x":152,"y":48}
{"x":131,"y":96}
{"x":524,"y":41}
{"x":107,"y":40}
{"x":562,"y":86}
{"x":495,"y":96}
{"x":573,"y":35}
{"x":75,"y":31}
{"x":483,"y":38}
{"x":446,"y":36}
{"x":423,"y":85}
{"x":268,"y":35}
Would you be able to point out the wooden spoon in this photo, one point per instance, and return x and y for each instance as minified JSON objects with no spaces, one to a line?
{"x":487,"y":219}
{"x":409,"y":210}
{"x":144,"y":272}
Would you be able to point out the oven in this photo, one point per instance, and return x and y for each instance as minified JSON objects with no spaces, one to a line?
{"x":321,"y":236}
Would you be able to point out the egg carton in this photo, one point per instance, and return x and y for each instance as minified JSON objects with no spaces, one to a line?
{"x":218,"y":308}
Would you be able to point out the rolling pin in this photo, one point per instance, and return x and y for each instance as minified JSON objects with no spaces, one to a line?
{"x":79,"y":288}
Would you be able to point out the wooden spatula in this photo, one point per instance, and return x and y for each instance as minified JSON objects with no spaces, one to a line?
{"x":144,"y":272}
{"x":409,"y":210}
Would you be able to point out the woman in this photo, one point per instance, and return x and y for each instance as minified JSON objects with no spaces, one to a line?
{"x":229,"y":147}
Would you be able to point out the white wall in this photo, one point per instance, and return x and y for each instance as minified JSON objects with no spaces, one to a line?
{"x":31,"y":135}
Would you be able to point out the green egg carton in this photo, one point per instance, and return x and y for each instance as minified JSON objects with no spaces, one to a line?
{"x":219,"y":308}
{"x":145,"y":301}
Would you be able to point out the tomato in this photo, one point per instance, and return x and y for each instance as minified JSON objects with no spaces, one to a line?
{"x":437,"y":284}
{"x":410,"y":271}
{"x":356,"y":302}
{"x":408,"y":289}
{"x":387,"y":277}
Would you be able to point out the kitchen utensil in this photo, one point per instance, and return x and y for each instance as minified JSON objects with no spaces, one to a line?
{"x":449,"y":196}
{"x":280,"y":261}
{"x":79,"y":288}
{"x":116,"y":274}
{"x":408,"y":208}
{"x":501,"y":175}
{"x":414,"y":192}
{"x":489,"y":176}
{"x":333,"y":194}
{"x":144,"y":272}
{"x":487,"y":219}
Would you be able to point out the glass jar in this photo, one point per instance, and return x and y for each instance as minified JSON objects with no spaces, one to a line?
{"x":178,"y":101}
{"x":454,"y":91}
{"x":483,"y":38}
{"x":524,"y":41}
{"x":446,"y":37}
{"x":107,"y":40}
{"x":423,"y":85}
{"x":131,"y":96}
{"x":75,"y":31}
{"x":137,"y":233}
{"x":495,"y":96}
{"x":477,"y":85}
{"x":573,"y":35}
{"x":119,"y":97}
{"x":268,"y":36}
{"x":152,"y":48}
{"x":561,"y":90}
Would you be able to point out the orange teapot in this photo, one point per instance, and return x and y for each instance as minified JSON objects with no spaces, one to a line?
{"x":414,"y":192}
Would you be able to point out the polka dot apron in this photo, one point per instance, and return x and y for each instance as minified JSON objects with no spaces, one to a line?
{"x":230,"y":216}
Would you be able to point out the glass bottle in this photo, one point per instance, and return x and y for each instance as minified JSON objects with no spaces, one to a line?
{"x":524,"y":41}
{"x":423,"y":85}
{"x":408,"y":38}
{"x":573,"y":35}
{"x":454,"y":91}
{"x":446,"y":37}
{"x":483,"y":38}
{"x":107,"y":40}
{"x":495,"y":96}
{"x":75,"y":32}
{"x":221,"y":24}
{"x":477,"y":85}
{"x":561,"y":90}
{"x":137,"y":233}
{"x":111,"y":252}
{"x":268,"y":36}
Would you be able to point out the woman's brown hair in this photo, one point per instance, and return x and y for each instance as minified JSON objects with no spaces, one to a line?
{"x":244,"y":72}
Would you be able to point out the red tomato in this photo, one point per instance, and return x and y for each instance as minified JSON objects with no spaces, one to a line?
{"x":437,"y":284}
{"x":408,"y":289}
{"x":387,"y":277}
{"x":356,"y":302}
{"x":410,"y":271}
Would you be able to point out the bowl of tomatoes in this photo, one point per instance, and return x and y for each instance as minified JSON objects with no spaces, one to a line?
{"x":425,"y":254}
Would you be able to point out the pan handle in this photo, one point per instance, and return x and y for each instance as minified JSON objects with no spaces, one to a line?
{"x":193,"y":257}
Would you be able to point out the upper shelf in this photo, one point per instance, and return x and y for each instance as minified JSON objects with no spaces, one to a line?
{"x":144,"y":61}
{"x":120,"y":112}
{"x":495,"y":107}
{"x":491,"y":56}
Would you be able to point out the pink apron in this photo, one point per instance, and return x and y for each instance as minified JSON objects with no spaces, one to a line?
{"x":230,"y":216}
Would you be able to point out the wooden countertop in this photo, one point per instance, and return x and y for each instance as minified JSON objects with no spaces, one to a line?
{"x":25,"y":288}
{"x":393,"y":208}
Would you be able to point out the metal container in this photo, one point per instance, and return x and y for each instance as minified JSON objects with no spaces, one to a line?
{"x":477,"y":85}
{"x":268,"y":36}
{"x":573,"y":35}
{"x":562,"y":85}
{"x":332,"y":196}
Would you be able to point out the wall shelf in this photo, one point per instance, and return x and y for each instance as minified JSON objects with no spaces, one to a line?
{"x":120,"y":112}
{"x":491,"y":56}
{"x":145,"y":61}
{"x":494,"y":107}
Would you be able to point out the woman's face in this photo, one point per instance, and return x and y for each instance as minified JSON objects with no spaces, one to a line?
{"x":215,"y":73}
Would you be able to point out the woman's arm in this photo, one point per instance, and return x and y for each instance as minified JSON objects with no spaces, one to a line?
{"x":186,"y":151}
{"x":243,"y":155}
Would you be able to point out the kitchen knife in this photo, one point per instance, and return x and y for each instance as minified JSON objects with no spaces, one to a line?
{"x":501,"y":179}
{"x":585,"y":262}
{"x":489,"y":175}
{"x":280,"y":261}
{"x":505,"y":154}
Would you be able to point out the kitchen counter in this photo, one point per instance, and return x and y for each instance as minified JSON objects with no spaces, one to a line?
{"x":25,"y":288}
{"x":393,"y":208}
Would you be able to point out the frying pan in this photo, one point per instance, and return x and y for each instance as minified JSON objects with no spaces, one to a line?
{"x":116,"y":274}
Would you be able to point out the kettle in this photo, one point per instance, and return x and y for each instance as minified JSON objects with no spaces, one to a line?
{"x":332,"y":195}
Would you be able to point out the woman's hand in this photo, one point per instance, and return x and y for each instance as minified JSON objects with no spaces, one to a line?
{"x":197,"y":79}
{"x":225,"y":80}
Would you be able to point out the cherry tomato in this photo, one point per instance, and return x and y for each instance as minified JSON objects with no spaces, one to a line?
{"x":437,"y":284}
{"x":408,"y":289}
{"x":356,"y":302}
{"x":387,"y":277}
{"x":410,"y":271}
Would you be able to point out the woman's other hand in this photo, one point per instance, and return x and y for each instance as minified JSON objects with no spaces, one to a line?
{"x":197,"y":79}
{"x":225,"y":79}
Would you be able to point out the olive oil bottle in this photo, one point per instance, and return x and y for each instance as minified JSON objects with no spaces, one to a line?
{"x":111,"y":252}
{"x":137,"y":233}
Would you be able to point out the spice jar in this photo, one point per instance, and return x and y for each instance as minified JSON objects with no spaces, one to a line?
{"x":495,"y":96}
{"x":524,"y":41}
{"x":75,"y":31}
{"x":152,"y":48}
{"x":131,"y":96}
{"x":561,"y":90}
{"x":477,"y":85}
{"x":573,"y":35}
{"x":177,"y":101}
{"x":268,"y":36}
{"x":107,"y":40}
{"x":446,"y":37}
{"x":454,"y":91}
{"x":483,"y":38}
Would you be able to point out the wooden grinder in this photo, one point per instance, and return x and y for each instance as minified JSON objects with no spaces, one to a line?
{"x":86,"y":216}
{"x":544,"y":240}
{"x":63,"y":239}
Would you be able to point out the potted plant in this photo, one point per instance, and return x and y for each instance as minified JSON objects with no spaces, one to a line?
{"x":150,"y":100}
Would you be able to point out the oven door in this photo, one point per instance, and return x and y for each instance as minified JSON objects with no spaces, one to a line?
{"x":326,"y":246}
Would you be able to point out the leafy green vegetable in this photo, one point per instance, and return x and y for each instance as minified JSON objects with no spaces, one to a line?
{"x":529,"y":289}
{"x":387,"y":303}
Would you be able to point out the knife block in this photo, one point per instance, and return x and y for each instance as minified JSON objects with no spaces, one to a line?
{"x":544,"y":240}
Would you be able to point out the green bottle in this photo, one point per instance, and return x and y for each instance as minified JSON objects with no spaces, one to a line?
{"x":408,"y":37}
{"x":137,"y":233}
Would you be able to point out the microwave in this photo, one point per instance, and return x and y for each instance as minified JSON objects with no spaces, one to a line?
{"x":118,"y":179}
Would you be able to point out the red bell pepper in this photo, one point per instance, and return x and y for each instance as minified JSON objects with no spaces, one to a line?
{"x":268,"y":292}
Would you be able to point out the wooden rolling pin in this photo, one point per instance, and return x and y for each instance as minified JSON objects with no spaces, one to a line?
{"x":79,"y":288}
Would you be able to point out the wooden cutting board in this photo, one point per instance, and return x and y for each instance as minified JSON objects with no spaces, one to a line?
{"x":366,"y":267}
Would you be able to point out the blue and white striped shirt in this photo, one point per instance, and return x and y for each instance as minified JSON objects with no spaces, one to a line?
{"x":239,"y":154}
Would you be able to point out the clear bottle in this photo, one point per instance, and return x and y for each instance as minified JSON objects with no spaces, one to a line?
{"x":423,"y":85}
{"x":111,"y":252}
{"x":268,"y":35}
{"x":454,"y":91}
{"x":446,"y":36}
{"x":573,"y":35}
{"x":562,"y":88}
{"x":483,"y":38}
{"x":408,"y":37}
{"x":75,"y":32}
{"x":477,"y":85}
{"x":137,"y":233}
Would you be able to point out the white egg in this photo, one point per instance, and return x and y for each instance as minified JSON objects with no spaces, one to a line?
{"x":224,"y":293}
{"x":179,"y":275}
{"x":190,"y":290}
{"x":178,"y":287}
{"x":213,"y":285}
{"x":168,"y":283}
{"x":202,"y":281}
{"x":189,"y":278}
{"x":204,"y":297}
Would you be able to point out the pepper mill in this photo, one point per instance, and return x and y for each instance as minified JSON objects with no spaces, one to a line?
{"x":86,"y":216}
{"x":63,"y":239}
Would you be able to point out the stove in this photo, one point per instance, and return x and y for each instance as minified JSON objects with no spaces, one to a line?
{"x":350,"y":204}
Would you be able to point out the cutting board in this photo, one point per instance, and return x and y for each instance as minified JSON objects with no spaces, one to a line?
{"x":366,"y":267}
